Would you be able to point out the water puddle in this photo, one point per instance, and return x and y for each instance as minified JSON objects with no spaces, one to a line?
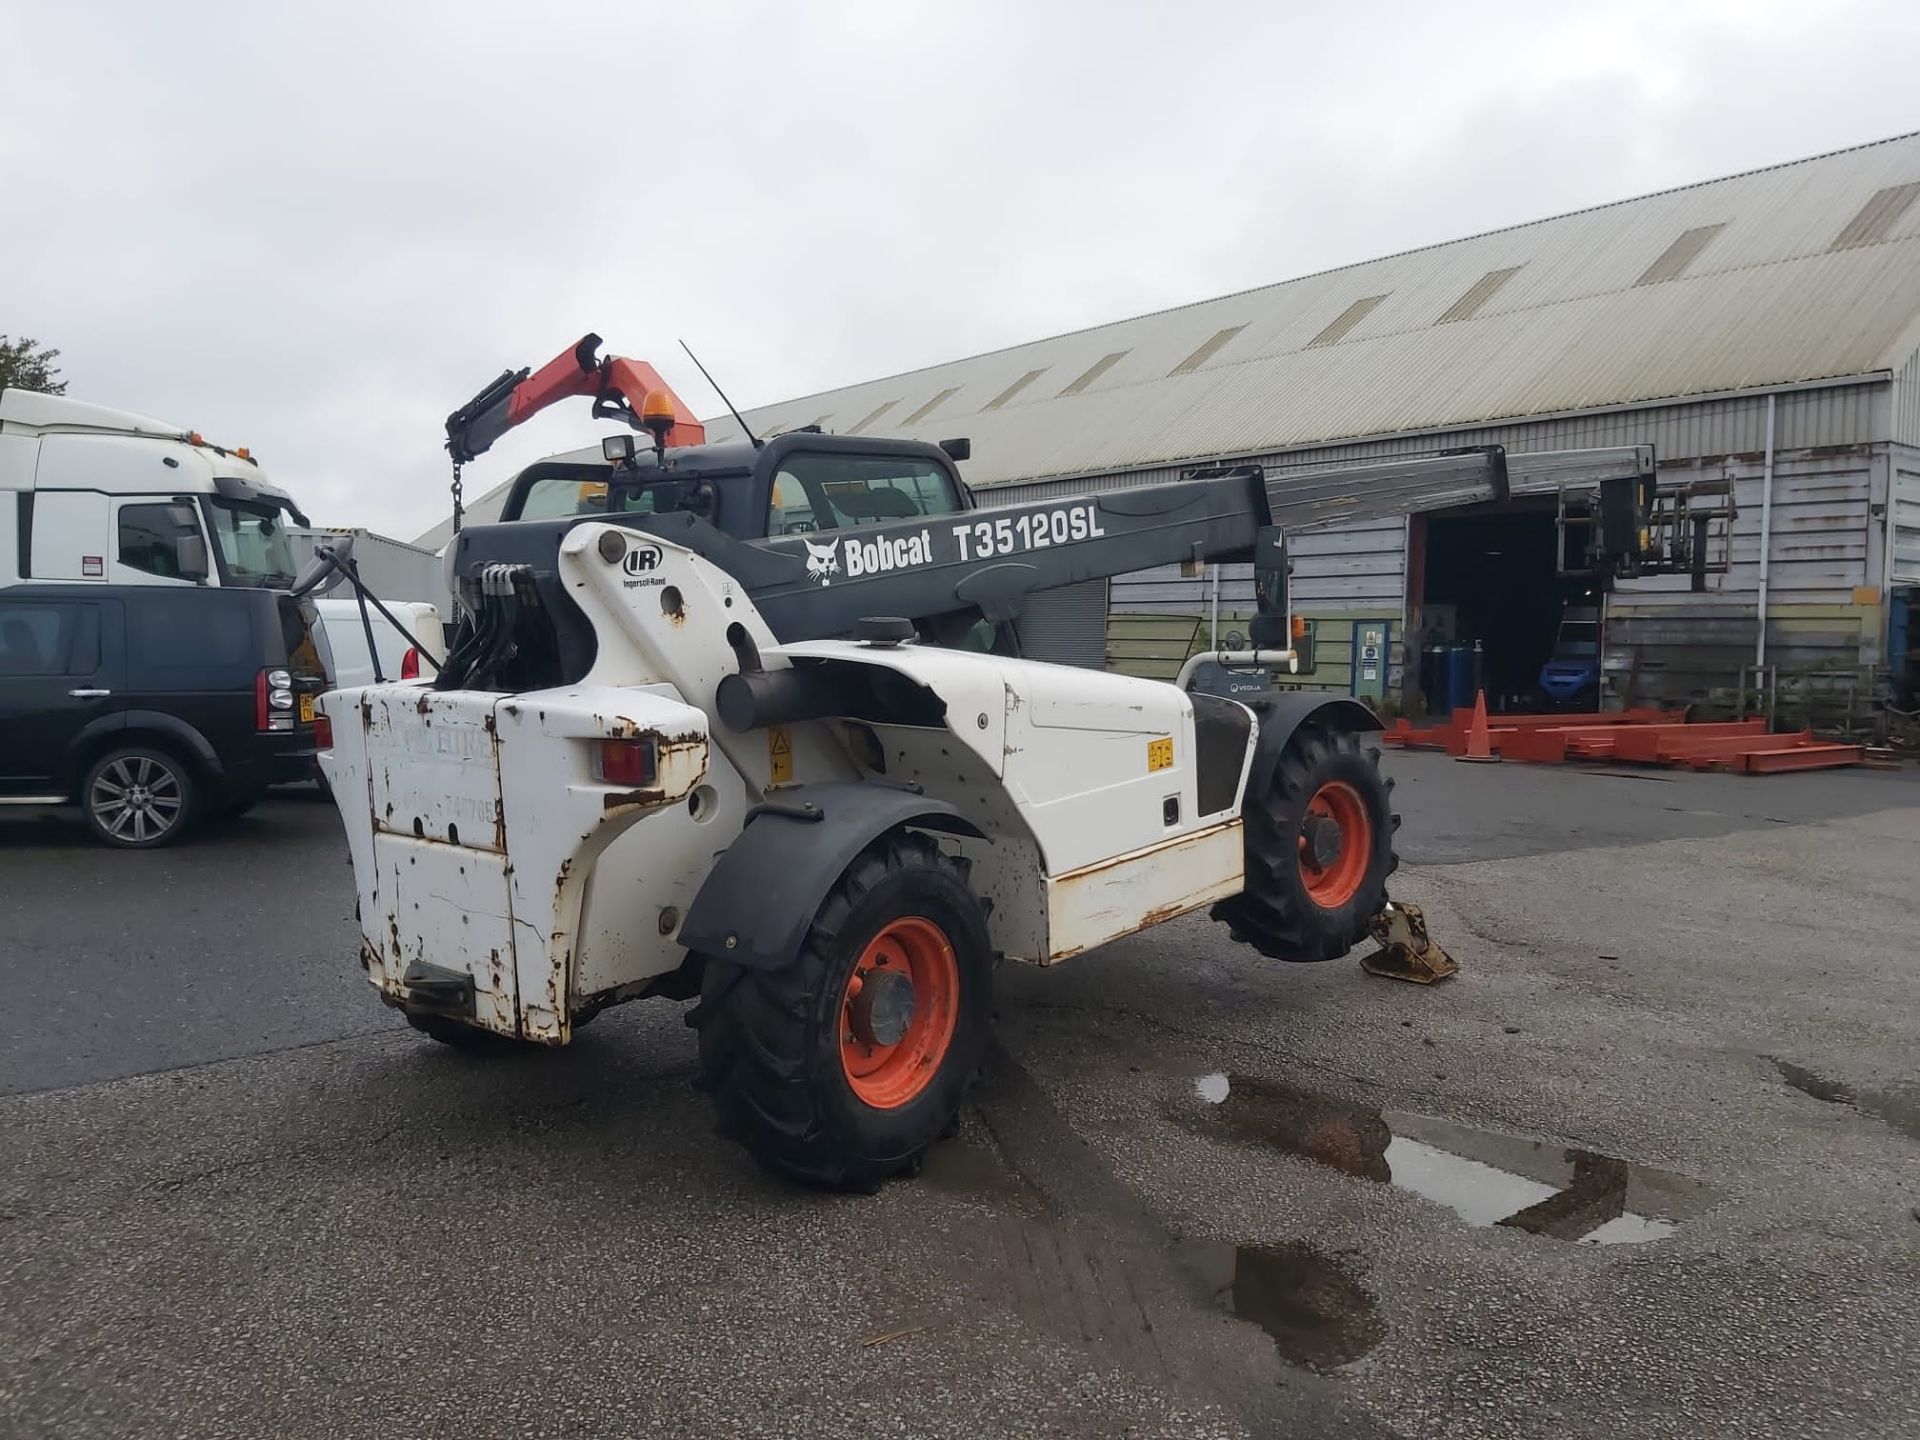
{"x":1484,"y":1177}
{"x":1317,"y":1315}
{"x":1899,"y":1109}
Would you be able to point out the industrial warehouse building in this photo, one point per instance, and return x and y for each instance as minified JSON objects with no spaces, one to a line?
{"x":1761,"y":328}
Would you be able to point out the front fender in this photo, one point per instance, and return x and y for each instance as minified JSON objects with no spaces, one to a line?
{"x":758,"y":900}
{"x":1289,"y":711}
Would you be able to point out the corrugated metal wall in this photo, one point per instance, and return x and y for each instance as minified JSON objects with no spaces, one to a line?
{"x":1162,"y":591}
{"x":1822,"y":532}
{"x":1832,"y":467}
{"x":1349,"y":569}
{"x":1664,"y":642}
{"x":1904,"y":403}
{"x":1905,"y":511}
{"x":1326,"y":562}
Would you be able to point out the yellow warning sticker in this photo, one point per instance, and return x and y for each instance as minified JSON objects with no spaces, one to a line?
{"x":1160,"y":754}
{"x":780,"y":754}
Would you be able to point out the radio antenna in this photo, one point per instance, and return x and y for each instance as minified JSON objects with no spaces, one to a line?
{"x":722,"y":394}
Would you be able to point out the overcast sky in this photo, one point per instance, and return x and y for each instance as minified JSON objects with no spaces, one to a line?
{"x":316,"y":230}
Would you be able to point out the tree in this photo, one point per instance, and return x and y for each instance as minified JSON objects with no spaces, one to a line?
{"x":27,"y":365}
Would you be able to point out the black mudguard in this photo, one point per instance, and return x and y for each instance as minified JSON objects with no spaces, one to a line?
{"x":1289,"y":711}
{"x":754,"y":908}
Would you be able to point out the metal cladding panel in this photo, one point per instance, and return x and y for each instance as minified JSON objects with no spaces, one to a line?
{"x":1163,"y":590}
{"x":1822,"y":532}
{"x":1767,"y":303}
{"x":1067,"y":626}
{"x":1349,"y":567}
{"x":1906,"y":517}
{"x":1904,"y":426}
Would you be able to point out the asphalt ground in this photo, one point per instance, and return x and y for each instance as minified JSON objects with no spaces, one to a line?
{"x":237,"y":1198}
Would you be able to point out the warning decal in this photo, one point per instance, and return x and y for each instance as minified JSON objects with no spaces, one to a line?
{"x":1160,"y":754}
{"x":780,"y":755}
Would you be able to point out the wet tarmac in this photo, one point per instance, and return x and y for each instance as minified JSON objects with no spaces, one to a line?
{"x":1484,"y":1177}
{"x":1898,"y":1108}
{"x":1317,"y":1314}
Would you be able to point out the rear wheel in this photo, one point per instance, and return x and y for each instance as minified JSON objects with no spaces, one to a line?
{"x":1319,"y":849}
{"x":841,"y":1068}
{"x":138,"y":798}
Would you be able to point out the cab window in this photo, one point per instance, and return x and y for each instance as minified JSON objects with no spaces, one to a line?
{"x":556,"y":496}
{"x":830,"y":492}
{"x":149,"y":537}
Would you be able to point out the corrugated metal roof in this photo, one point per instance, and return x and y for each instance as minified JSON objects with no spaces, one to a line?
{"x":1766,"y":302}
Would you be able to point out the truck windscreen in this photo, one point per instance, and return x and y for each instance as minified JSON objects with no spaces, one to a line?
{"x":252,"y":539}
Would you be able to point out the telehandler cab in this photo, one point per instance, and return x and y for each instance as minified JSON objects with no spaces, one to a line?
{"x":747,"y":722}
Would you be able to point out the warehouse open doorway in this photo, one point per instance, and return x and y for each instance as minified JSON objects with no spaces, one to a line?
{"x":1492,"y":608}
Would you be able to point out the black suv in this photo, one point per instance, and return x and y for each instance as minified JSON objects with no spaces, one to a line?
{"x":151,"y":707}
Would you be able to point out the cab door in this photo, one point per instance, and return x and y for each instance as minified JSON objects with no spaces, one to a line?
{"x":59,"y":675}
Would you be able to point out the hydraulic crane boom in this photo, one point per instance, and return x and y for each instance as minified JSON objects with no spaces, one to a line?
{"x":621,"y":389}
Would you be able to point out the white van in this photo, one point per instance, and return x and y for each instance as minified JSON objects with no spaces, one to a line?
{"x":342,"y":635}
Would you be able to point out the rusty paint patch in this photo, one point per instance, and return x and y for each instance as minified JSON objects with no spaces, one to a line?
{"x":1162,"y":913}
{"x":620,"y":799}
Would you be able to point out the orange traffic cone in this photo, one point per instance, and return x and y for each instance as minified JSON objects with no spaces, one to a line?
{"x":1479,"y":741}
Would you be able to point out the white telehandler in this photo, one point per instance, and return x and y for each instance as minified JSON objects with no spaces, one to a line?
{"x":682,"y":749}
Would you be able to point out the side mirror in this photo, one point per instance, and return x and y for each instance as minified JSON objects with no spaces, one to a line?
{"x":960,"y":449}
{"x":326,"y":569}
{"x":190,"y":558}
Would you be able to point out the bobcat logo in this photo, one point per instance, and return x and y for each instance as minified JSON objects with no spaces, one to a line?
{"x":822,"y":560}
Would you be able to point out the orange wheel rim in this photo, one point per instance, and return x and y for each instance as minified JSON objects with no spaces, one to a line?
{"x":898,"y":1012}
{"x":1336,"y":842}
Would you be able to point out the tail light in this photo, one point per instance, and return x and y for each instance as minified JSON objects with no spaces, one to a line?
{"x":626,"y":762}
{"x":273,"y":700}
{"x":410,"y":664}
{"x":322,"y":733}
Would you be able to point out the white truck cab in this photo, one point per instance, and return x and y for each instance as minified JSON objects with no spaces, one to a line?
{"x":93,"y":495}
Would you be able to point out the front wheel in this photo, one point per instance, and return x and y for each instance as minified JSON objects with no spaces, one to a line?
{"x":1319,"y":849}
{"x":841,"y":1068}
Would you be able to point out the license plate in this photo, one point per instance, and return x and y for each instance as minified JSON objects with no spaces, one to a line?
{"x":306,"y":709}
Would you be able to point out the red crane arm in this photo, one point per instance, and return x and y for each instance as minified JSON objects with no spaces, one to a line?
{"x":620,"y":389}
